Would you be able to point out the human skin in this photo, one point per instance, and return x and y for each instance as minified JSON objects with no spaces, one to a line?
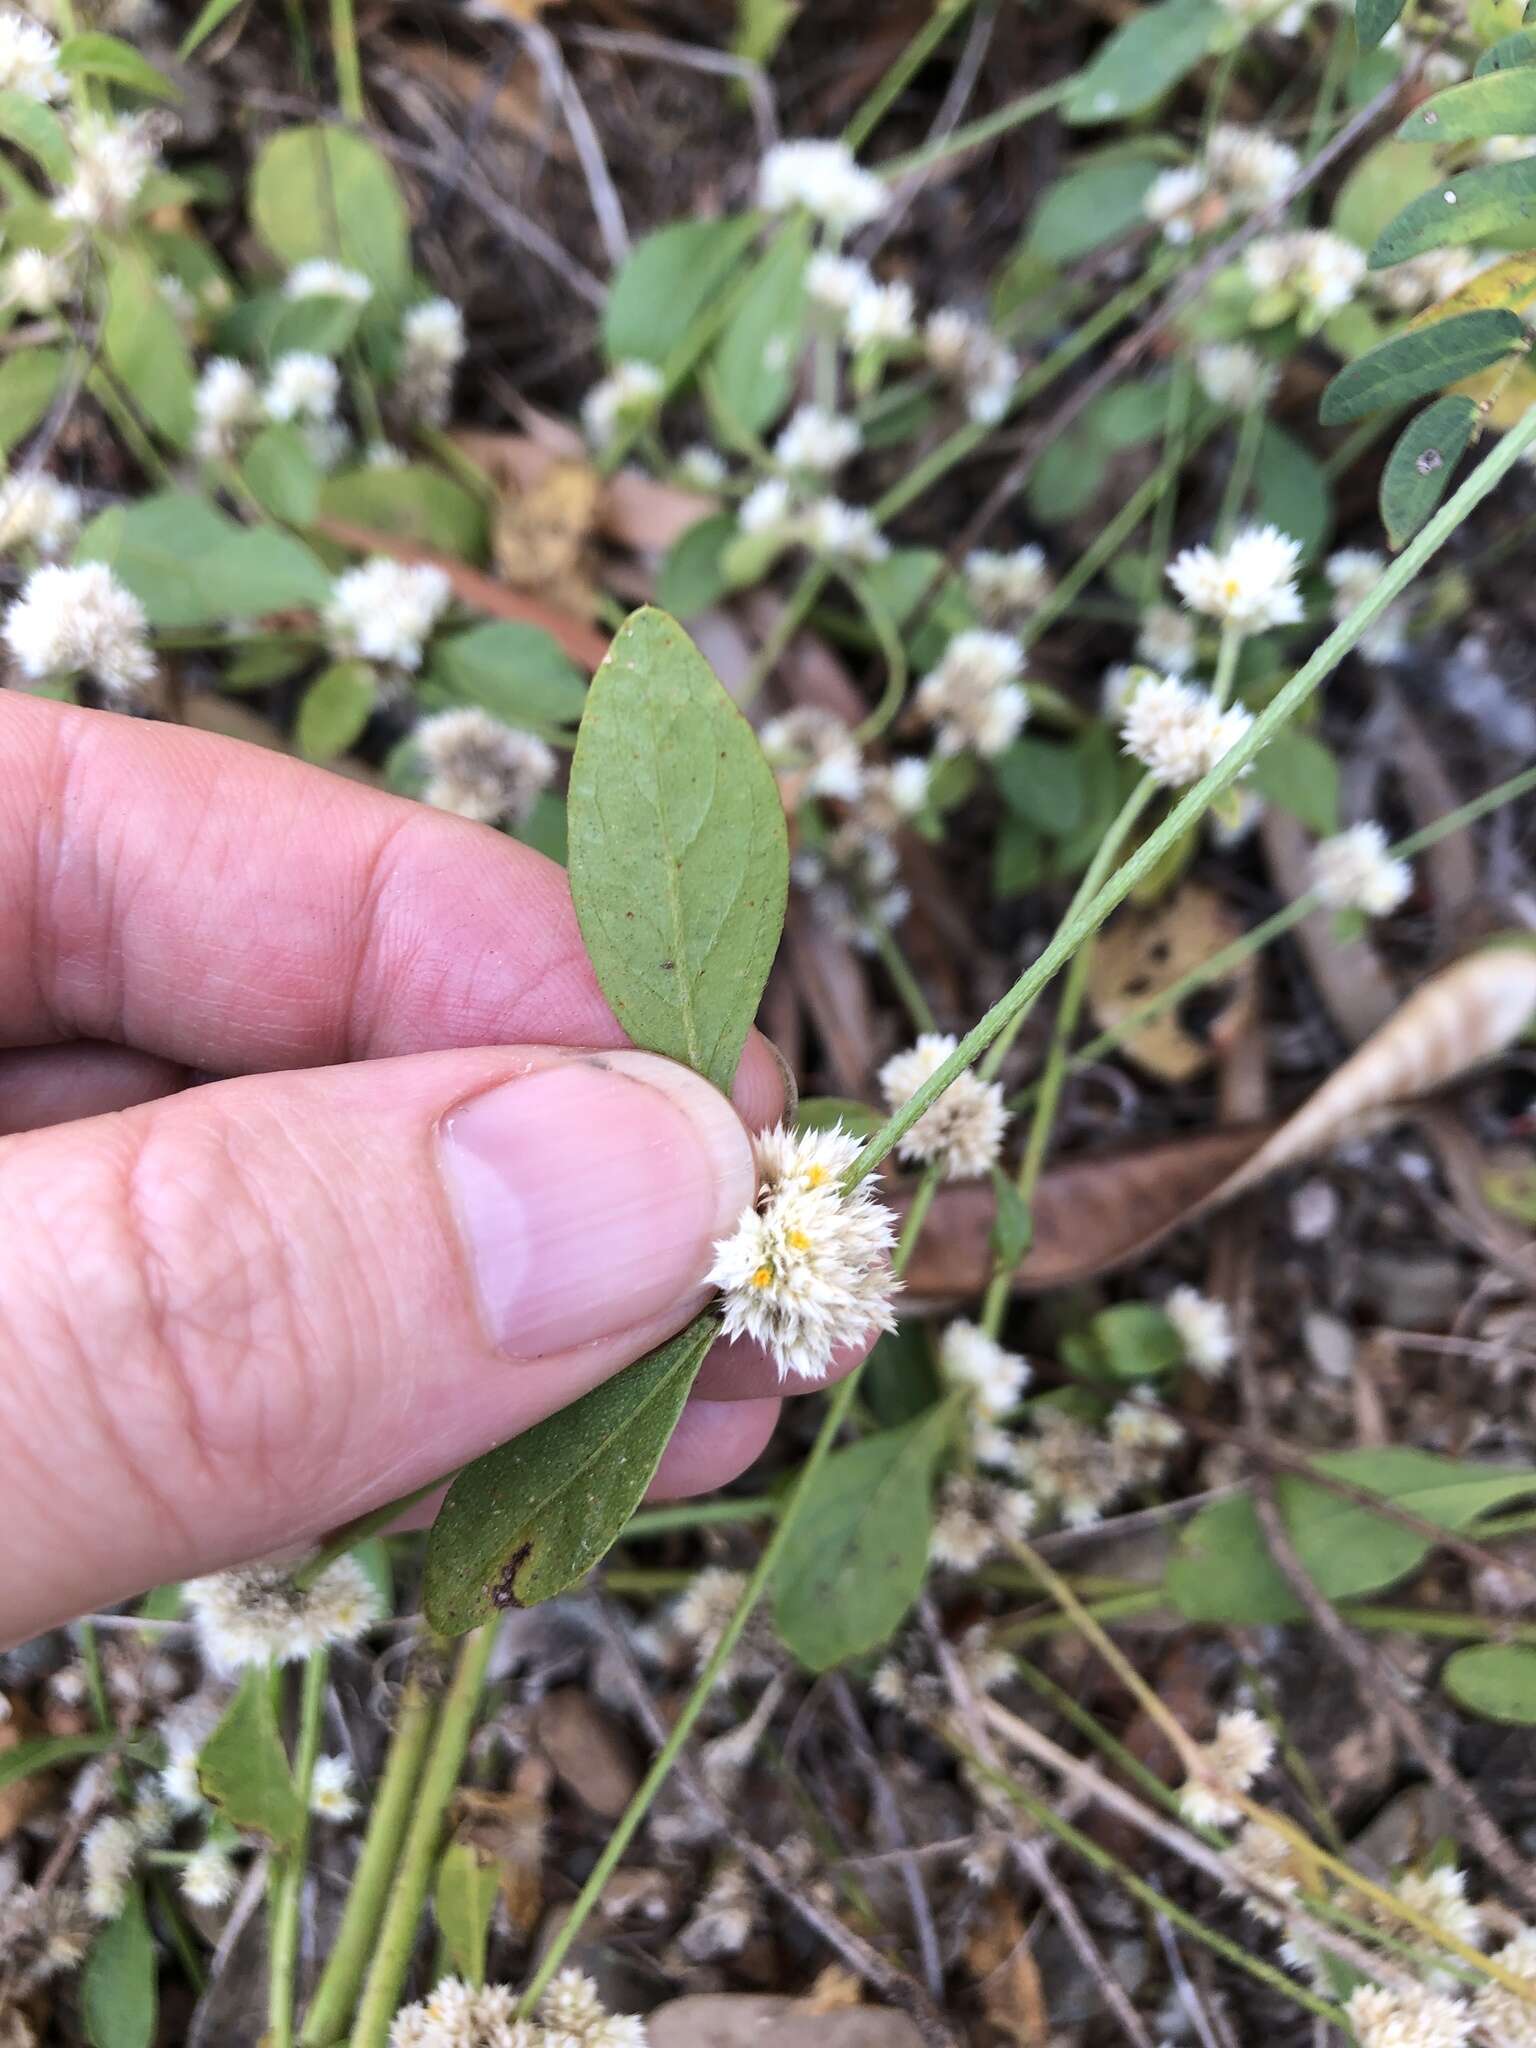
{"x":431,"y":1198}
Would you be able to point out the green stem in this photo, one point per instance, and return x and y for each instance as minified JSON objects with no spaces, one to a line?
{"x":1180,"y":397}
{"x":1226,"y":663}
{"x":888,"y":638}
{"x":418,"y":1855}
{"x":974,"y":133}
{"x":1357,"y":440}
{"x":1131,"y":1767}
{"x":288,"y":1873}
{"x":336,"y":1994}
{"x":700,"y":1514}
{"x":350,"y":1534}
{"x":903,"y":980}
{"x":868,"y":117}
{"x":1195,"y":801}
{"x":349,"y":69}
{"x":1240,"y":475}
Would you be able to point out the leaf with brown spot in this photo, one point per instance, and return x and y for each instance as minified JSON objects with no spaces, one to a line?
{"x":1142,"y":952}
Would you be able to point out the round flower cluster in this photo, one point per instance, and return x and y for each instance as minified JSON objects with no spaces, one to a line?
{"x":432,"y":345}
{"x":813,"y":753}
{"x":460,"y":2015}
{"x":1243,"y":171}
{"x":38,"y":511}
{"x":1249,"y":585}
{"x":112,"y":162}
{"x":385,"y":610}
{"x":962,"y":1134}
{"x":259,"y":1614}
{"x":69,"y":621}
{"x":1204,"y":1329}
{"x":825,"y":179}
{"x":28,"y":59}
{"x":1354,"y":871}
{"x":479,"y":768}
{"x":1239,"y":1753}
{"x":974,"y":1519}
{"x":1007,"y":588}
{"x":320,"y":278}
{"x":1353,"y":574}
{"x":626,"y":398}
{"x":1176,"y":730}
{"x":974,"y":699}
{"x":1308,"y":270}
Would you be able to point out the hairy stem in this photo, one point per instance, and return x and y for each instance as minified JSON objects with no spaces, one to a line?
{"x":288,"y":1871}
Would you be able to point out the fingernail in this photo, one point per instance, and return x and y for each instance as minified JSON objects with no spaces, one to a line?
{"x":590,"y":1195}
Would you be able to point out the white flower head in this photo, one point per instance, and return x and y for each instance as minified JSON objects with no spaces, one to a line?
{"x":813,"y":753}
{"x":1071,"y":1468}
{"x":1252,"y":168}
{"x":1440,"y":1895}
{"x":894,"y":793}
{"x":829,"y":526}
{"x":479,"y":768}
{"x":807,"y":1269}
{"x":28,"y":59}
{"x":1319,"y":268}
{"x":1498,"y":2012}
{"x":1353,"y":574}
{"x":834,"y":282}
{"x":993,"y":1379}
{"x":853,"y":883}
{"x":208,"y":1877}
{"x":1165,"y":640}
{"x":226,"y":402}
{"x":1176,"y":730}
{"x":456,"y":2015}
{"x":1354,"y":871}
{"x":1007,"y":586}
{"x":302,"y":386}
{"x":963,"y":1131}
{"x":974,"y":698}
{"x":108,"y":1853}
{"x":1263,"y":1856}
{"x":71,"y":619}
{"x":385,"y":610}
{"x":38,"y":511}
{"x":825,"y":179}
{"x":1425,"y":280}
{"x":1180,"y":202}
{"x":817,"y":440}
{"x":258,"y":1613}
{"x":969,"y":355}
{"x":1142,"y":1438}
{"x":975,"y":1518}
{"x":1204,"y":1327}
{"x":701,"y":467}
{"x":432,"y":345}
{"x":880,"y":315}
{"x":1250,"y":584}
{"x":113,"y":160}
{"x":627,"y":397}
{"x":768,"y":509}
{"x":1240,"y":1752}
{"x":320,"y":278}
{"x":1408,"y":2018}
{"x":1235,"y":376}
{"x":37,"y":280}
{"x":330,"y":1789}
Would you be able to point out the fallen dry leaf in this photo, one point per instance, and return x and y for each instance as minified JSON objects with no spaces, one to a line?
{"x":507,"y":1829}
{"x":836,"y":1989}
{"x":633,"y":509}
{"x":590,"y":1757}
{"x":1144,"y":951}
{"x":727,"y":2020}
{"x":999,"y":1957}
{"x":542,"y":533}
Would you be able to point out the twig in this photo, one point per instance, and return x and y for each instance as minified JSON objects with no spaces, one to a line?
{"x":1189,"y":1998}
{"x":752,"y":78}
{"x":607,"y":209}
{"x":887,"y":1816}
{"x":977,"y":42}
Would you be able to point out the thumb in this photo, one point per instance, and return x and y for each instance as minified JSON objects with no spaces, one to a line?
{"x":236,"y":1317}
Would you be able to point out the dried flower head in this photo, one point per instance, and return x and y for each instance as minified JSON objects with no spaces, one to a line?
{"x":1182,"y":204}
{"x":1240,"y":1751}
{"x":208,"y":1877}
{"x":320,"y":278}
{"x":1261,"y":1856}
{"x":385,"y":610}
{"x":817,"y":440}
{"x":38,"y":511}
{"x":1166,"y":640}
{"x":1142,"y":1438}
{"x":1204,"y":1327}
{"x":853,"y":884}
{"x":43,"y":1935}
{"x":627,"y":397}
{"x":993,"y":1379}
{"x":1176,"y":730}
{"x":432,"y":345}
{"x":1251,"y":168}
{"x":1235,"y":376}
{"x":807,"y":1270}
{"x":479,"y":768}
{"x":974,"y":699}
{"x":302,"y":386}
{"x":1353,"y":574}
{"x":37,"y":280}
{"x":258,"y":1613}
{"x":108,"y":1853}
{"x":963,"y":1132}
{"x":975,"y":1518}
{"x":1498,"y":2012}
{"x":1310,"y":265}
{"x":813,"y":753}
{"x":457,"y":2015}
{"x":968,"y":355}
{"x":1007,"y":588}
{"x":825,"y":179}
{"x":894,"y":793}
{"x":1407,"y":2018}
{"x":1250,"y":584}
{"x":112,"y":162}
{"x":28,"y":57}
{"x":1070,"y":1467}
{"x":69,"y":620}
{"x":227,"y":402}
{"x":1354,"y":871}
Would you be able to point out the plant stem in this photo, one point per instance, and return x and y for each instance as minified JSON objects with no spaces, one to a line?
{"x":700,"y":1514}
{"x":1195,"y":801}
{"x":349,"y":69}
{"x":350,"y":1534}
{"x":288,"y":1872}
{"x":335,"y":1995}
{"x":418,"y":1855}
{"x":903,"y":980}
{"x":986,"y":129}
{"x":1240,"y":475}
{"x":1180,"y":394}
{"x":629,"y":1821}
{"x":888,"y":638}
{"x":883,"y":97}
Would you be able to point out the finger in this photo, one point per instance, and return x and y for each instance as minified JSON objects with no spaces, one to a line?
{"x":714,"y":1443}
{"x":737,"y":1369}
{"x":239,"y":912}
{"x":54,"y":1084}
{"x":245,"y":1314}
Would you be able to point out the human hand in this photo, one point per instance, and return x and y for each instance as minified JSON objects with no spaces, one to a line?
{"x":235,"y":1316}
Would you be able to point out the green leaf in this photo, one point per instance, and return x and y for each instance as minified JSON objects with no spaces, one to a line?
{"x":1130,"y":414}
{"x":118,"y":1993}
{"x":1043,"y":782}
{"x":692,"y":578}
{"x":1422,"y":360}
{"x":1475,"y":206}
{"x":413,"y":502}
{"x":1136,"y":1340}
{"x":243,"y":1767}
{"x":761,"y":26}
{"x":281,"y":475}
{"x":1013,"y":1223}
{"x":143,"y":343}
{"x":1223,"y":1570}
{"x":1372,"y":20}
{"x":758,"y":353}
{"x":189,"y":565}
{"x":529,"y":1520}
{"x":899,"y":1381}
{"x":1297,"y":773}
{"x":1507,"y":52}
{"x":46,"y":1751}
{"x":463,"y":1900}
{"x":666,"y":282}
{"x":1087,"y":208}
{"x":905,"y":579}
{"x":1145,"y":58}
{"x":213,"y":15}
{"x":1372,"y":194}
{"x":334,"y":710}
{"x":544,"y":828}
{"x":322,"y":191}
{"x":1018,"y":859}
{"x":1424,"y":457}
{"x":1066,"y":479}
{"x":1291,"y":489}
{"x":94,"y":55}
{"x":825,"y":1112}
{"x":520,"y":674}
{"x":317,"y":323}
{"x":679,"y":856}
{"x":28,"y":381}
{"x":38,"y":132}
{"x":1499,"y":103}
{"x":855,"y":1557}
{"x":1497,"y":1680}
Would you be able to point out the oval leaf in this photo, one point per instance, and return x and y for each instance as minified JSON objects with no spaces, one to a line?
{"x":1144,"y":58}
{"x":1499,"y":103}
{"x":414,"y":503}
{"x":1419,"y":469}
{"x":143,"y":343}
{"x":326,"y":192}
{"x":281,"y":475}
{"x":528,"y":1520}
{"x":1497,"y":1680}
{"x":1372,"y":20}
{"x":94,"y":55}
{"x":117,"y":1989}
{"x":28,"y":381}
{"x":243,"y":1767}
{"x":666,"y":282}
{"x":1411,"y":364}
{"x":693,"y":576}
{"x":1470,"y":208}
{"x":1508,"y":51}
{"x":678,"y":852}
{"x":854,"y":1560}
{"x":38,"y":132}
{"x":46,"y":1751}
{"x":517,"y":673}
{"x":334,"y":710}
{"x":755,"y":360}
{"x":1083,"y":211}
{"x":463,"y":1900}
